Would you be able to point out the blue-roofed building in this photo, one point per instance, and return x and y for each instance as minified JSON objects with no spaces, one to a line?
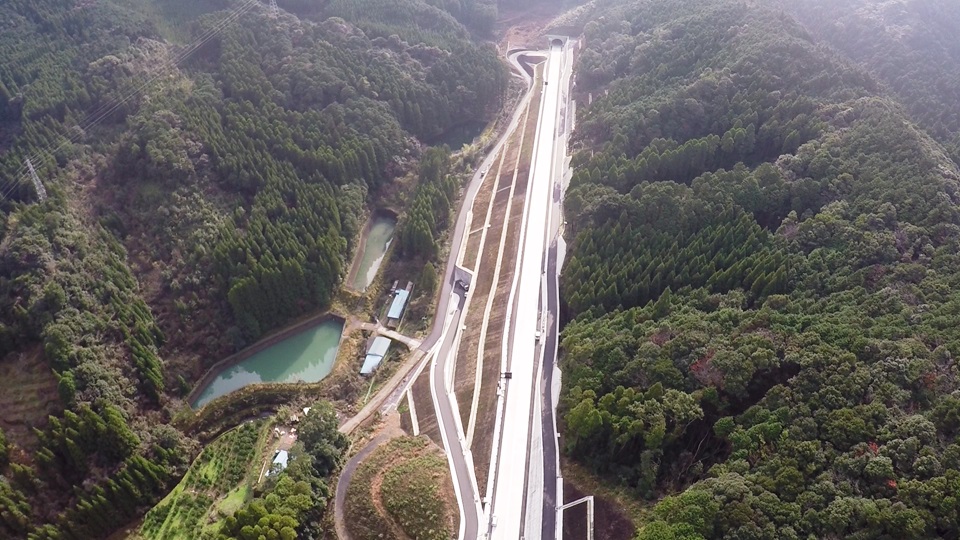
{"x":279,"y":462}
{"x":397,"y":307}
{"x":380,"y":346}
{"x":375,"y":354}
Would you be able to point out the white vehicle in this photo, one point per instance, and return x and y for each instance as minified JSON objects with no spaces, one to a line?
{"x":538,"y":335}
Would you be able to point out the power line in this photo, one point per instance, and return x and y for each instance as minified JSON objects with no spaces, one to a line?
{"x":105,"y":110}
{"x":99,"y":114}
{"x":37,"y":184}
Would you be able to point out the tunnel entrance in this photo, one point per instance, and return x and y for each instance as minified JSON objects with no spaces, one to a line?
{"x":556,"y":43}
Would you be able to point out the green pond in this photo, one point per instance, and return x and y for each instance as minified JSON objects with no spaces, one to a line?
{"x":378,"y":240}
{"x":307,"y":356}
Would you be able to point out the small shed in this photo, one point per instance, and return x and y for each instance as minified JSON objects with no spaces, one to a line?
{"x":280,"y":460}
{"x":397,"y":307}
{"x":375,"y":354}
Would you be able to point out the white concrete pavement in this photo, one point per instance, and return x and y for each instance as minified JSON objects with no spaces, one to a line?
{"x":509,"y":493}
{"x":439,"y":345}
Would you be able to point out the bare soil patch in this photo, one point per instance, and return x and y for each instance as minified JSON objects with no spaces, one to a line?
{"x":423,"y":401}
{"x":523,"y":27}
{"x":609,"y":520}
{"x":618,"y":511}
{"x":28,"y":395}
{"x":468,"y":353}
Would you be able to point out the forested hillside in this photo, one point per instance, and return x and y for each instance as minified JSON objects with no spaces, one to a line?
{"x":761,"y":286}
{"x":910,"y":46}
{"x":188,"y":216}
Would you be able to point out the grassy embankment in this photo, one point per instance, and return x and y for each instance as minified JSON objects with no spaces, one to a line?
{"x":402,"y":490}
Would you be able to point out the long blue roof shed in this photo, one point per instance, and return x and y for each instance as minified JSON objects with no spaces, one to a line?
{"x":399,"y":303}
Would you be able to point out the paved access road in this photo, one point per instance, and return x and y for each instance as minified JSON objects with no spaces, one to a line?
{"x":344,"y":483}
{"x":460,"y":228}
{"x":510,"y":494}
{"x":458,"y":453}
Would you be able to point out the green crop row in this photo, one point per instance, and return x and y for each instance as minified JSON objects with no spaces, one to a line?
{"x":221,"y":467}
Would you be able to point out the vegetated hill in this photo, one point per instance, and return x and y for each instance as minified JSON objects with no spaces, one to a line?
{"x":761,"y":283}
{"x":910,"y":46}
{"x":189,"y":216}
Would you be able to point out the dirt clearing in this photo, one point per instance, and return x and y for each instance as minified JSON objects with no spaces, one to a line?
{"x":28,"y":394}
{"x":523,"y":28}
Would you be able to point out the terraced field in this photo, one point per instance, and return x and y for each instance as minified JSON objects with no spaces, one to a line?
{"x":28,"y":394}
{"x":218,"y":482}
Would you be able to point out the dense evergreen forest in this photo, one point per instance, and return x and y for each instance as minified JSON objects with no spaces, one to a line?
{"x":201,"y":193}
{"x":762,"y":284}
{"x":909,"y":46}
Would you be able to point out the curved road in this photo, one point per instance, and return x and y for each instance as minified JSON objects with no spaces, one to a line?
{"x":446,"y":330}
{"x":458,"y":452}
{"x":344,"y":482}
{"x":518,"y":482}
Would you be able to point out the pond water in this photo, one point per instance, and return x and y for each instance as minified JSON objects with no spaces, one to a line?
{"x":307,"y":356}
{"x":378,"y":240}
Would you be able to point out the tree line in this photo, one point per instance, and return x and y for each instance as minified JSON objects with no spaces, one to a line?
{"x":429,"y":212}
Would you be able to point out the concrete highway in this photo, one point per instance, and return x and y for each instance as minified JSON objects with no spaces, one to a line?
{"x":441,"y":342}
{"x":552,"y":486}
{"x":521,"y":426}
{"x":520,"y":480}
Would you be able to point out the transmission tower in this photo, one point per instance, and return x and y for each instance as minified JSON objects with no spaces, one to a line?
{"x":41,"y":192}
{"x":274,"y":10}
